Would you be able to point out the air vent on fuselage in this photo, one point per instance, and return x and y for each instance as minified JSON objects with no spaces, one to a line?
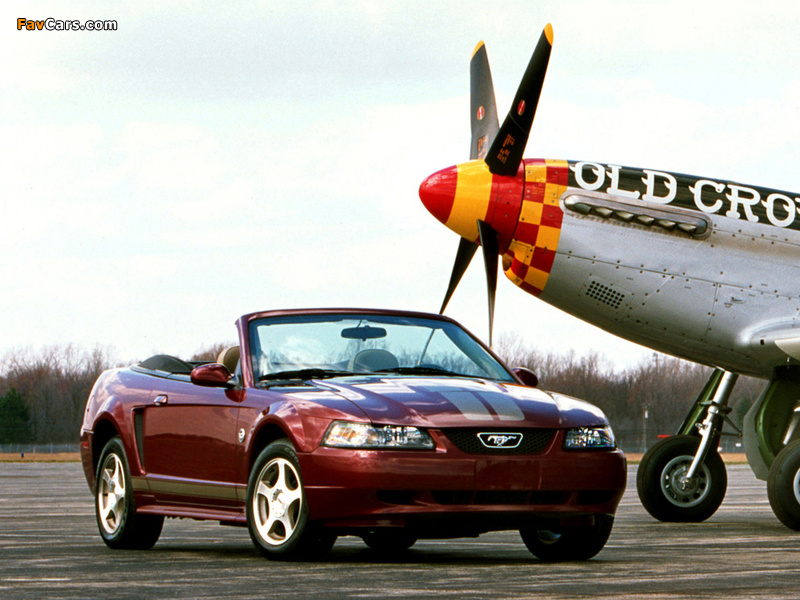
{"x":605,"y":295}
{"x":636,"y":212}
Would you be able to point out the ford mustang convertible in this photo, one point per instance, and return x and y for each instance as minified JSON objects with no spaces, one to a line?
{"x":390,"y":426}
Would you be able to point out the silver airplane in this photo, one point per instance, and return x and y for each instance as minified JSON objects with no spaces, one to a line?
{"x":700,"y":268}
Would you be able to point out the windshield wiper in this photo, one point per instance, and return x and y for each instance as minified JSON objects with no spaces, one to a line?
{"x":303,"y":374}
{"x":422,"y":370}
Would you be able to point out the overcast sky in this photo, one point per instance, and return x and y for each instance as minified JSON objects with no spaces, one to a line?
{"x":211,"y":159}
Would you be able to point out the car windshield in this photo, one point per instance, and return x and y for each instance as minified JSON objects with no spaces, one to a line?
{"x":330,"y":345}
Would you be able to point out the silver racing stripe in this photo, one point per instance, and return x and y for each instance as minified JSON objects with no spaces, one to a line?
{"x":503,"y":406}
{"x":474,"y":405}
{"x":469,"y":405}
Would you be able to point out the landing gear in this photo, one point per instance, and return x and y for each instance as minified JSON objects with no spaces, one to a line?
{"x":683,"y":478}
{"x":783,"y":486}
{"x":664,"y":488}
{"x":772,"y":443}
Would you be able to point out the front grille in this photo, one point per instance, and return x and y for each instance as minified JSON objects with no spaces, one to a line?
{"x":534,"y":441}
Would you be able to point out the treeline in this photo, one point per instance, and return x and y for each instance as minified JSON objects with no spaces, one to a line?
{"x":642,"y":402}
{"x":43,"y":394}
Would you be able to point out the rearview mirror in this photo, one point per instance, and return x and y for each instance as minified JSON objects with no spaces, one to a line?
{"x":363,"y":333}
{"x":211,"y":375}
{"x":526,"y":376}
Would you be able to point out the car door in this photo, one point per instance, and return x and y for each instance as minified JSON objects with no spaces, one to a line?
{"x":189,"y":441}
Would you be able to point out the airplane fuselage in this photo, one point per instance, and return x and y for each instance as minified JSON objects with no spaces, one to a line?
{"x":700,"y":268}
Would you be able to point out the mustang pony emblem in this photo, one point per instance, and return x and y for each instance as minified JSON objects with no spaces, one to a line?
{"x":500,"y":440}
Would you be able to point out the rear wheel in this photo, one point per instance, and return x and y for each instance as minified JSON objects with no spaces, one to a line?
{"x":115,"y":508}
{"x":569,"y":542}
{"x":783,"y":486}
{"x":277,"y":512}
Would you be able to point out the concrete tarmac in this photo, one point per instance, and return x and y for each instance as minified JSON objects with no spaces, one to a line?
{"x":50,"y":548}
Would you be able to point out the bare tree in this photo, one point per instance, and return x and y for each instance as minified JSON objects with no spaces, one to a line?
{"x":54,"y":383}
{"x":212,"y":352}
{"x":642,"y":402}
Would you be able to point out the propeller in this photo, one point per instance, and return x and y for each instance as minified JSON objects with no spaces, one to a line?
{"x":500,"y":147}
{"x":491,"y":253}
{"x":483,"y":108}
{"x":508,"y":146}
{"x":484,"y":123}
{"x":466,"y":250}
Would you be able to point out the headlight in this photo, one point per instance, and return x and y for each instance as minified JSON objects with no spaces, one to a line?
{"x":343,"y":434}
{"x":590,"y":438}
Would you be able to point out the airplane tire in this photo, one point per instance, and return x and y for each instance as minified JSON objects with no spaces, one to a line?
{"x":783,"y":486}
{"x":658,"y":481}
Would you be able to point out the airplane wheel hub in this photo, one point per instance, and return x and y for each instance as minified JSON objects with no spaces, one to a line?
{"x":796,"y":486}
{"x":681,"y":491}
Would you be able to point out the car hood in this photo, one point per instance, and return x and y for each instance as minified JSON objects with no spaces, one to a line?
{"x":458,"y":402}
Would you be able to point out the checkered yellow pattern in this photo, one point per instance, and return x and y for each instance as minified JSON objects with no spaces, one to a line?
{"x":536,"y":238}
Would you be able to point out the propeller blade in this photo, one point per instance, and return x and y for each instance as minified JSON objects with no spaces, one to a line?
{"x":466,"y":250}
{"x":506,"y":151}
{"x":483,"y":107}
{"x":491,"y":253}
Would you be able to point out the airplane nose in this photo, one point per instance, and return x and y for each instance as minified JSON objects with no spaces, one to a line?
{"x":438,"y":192}
{"x":462,"y":195}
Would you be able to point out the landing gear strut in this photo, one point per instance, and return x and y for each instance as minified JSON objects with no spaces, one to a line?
{"x":683,"y":478}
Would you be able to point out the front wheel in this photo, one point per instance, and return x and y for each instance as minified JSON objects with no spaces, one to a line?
{"x":663,"y":489}
{"x":277,"y":512}
{"x":389,"y":541}
{"x":783,"y":486}
{"x":577,"y":542}
{"x":115,"y":508}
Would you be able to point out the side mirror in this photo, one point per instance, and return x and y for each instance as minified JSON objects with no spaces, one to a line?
{"x":526,"y":376}
{"x":211,"y":375}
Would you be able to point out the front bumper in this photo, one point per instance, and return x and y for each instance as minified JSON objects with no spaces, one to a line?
{"x":378,"y":488}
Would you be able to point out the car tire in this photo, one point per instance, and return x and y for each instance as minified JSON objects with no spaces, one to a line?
{"x":277,"y":511}
{"x":115,"y":507}
{"x":783,"y":486}
{"x":390,"y":540}
{"x":570,"y":542}
{"x":658,"y":475}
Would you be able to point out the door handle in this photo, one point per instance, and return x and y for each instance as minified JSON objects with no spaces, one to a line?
{"x":160,"y":400}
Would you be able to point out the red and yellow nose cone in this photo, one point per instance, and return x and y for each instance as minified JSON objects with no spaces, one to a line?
{"x":523,"y":210}
{"x":459,"y":196}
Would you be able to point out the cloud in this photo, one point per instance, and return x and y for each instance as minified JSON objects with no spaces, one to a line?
{"x":197,"y":164}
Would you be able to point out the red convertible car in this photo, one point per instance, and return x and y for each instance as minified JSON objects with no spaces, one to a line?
{"x":391,"y":426}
